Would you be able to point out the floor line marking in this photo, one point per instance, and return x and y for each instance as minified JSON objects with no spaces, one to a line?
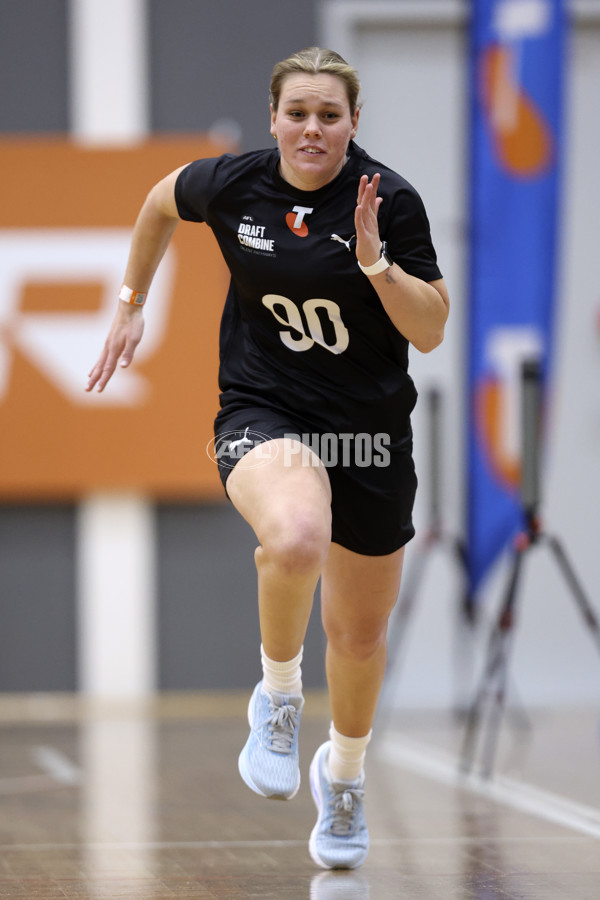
{"x":250,"y":845}
{"x":57,"y":769}
{"x":56,"y":764}
{"x":443,"y":767}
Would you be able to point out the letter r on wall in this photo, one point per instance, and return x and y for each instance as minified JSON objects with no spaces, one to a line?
{"x":63,"y":345}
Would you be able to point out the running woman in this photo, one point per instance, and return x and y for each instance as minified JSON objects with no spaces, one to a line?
{"x":333,"y":275}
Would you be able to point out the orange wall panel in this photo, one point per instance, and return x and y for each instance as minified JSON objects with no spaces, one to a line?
{"x":65,"y":221}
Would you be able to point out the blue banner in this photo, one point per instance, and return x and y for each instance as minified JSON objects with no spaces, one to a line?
{"x":517,"y":61}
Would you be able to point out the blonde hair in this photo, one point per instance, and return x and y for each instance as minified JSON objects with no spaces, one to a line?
{"x":313,"y":61}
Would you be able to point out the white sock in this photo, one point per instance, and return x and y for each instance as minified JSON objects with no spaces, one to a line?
{"x":282,"y":677}
{"x":346,"y":755}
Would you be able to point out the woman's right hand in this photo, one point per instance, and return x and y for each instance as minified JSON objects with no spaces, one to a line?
{"x":120,"y":345}
{"x":153,"y":230}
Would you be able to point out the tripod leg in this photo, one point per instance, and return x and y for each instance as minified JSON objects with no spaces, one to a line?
{"x":490,"y":745}
{"x":573,"y":582}
{"x":399,"y":622}
{"x":406,"y":601}
{"x":474,"y":713}
{"x":464,"y":635}
{"x":494,"y":674}
{"x":505,"y":627}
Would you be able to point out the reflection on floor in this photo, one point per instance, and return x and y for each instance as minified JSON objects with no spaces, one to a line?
{"x":144,"y":803}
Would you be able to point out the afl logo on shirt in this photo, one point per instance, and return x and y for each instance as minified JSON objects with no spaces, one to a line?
{"x":295,"y":220}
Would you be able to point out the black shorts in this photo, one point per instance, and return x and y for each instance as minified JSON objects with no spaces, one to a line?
{"x":373,"y":486}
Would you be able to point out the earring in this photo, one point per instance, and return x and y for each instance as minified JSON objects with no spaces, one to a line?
{"x":274,"y":137}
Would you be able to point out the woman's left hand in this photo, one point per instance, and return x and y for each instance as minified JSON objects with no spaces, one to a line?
{"x":368,"y":242}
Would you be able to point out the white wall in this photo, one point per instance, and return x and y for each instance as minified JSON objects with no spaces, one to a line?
{"x":412,"y":62}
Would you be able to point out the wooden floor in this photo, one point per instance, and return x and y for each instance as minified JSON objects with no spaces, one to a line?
{"x":147,"y":803}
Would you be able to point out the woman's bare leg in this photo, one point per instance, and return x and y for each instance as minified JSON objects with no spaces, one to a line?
{"x":358,"y":594}
{"x":287,"y":502}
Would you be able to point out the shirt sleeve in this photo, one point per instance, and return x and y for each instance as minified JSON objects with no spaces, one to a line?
{"x":195,"y":187}
{"x":408,"y":236}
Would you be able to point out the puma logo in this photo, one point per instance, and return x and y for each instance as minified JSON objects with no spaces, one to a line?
{"x":336,"y":237}
{"x":242,"y":440}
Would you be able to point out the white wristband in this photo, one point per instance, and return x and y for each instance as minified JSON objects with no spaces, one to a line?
{"x":384,"y":262}
{"x":137,"y":298}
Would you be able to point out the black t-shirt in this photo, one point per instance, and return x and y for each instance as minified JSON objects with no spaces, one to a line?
{"x":303,"y":330}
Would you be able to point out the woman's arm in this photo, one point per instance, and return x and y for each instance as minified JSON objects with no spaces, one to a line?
{"x":152,"y":232}
{"x":417,"y":308}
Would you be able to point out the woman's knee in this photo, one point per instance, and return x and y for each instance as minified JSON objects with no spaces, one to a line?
{"x":361,"y":641}
{"x":297,"y":542}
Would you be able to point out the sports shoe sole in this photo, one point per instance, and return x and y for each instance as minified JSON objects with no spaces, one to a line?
{"x":315,"y":788}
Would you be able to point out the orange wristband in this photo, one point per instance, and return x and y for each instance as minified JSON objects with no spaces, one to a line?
{"x":137,"y":298}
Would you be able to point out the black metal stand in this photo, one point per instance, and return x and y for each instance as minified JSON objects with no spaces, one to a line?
{"x":487,"y":707}
{"x":434,"y":537}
